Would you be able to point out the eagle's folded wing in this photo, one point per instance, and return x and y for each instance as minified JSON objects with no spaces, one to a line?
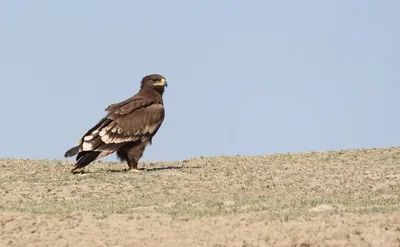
{"x":136,"y":120}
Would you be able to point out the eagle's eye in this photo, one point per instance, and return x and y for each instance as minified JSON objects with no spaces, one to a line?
{"x":156,"y":79}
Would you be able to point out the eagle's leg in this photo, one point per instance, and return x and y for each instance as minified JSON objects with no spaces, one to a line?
{"x":133,"y":166}
{"x":133,"y":154}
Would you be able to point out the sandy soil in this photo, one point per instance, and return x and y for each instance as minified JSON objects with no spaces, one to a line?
{"x":341,"y":198}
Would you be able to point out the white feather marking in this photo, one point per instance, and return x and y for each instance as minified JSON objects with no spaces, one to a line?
{"x":152,"y":128}
{"x":87,"y":146}
{"x":123,"y":139}
{"x":114,"y":139}
{"x":88,"y":138}
{"x":117,"y":139}
{"x":91,"y":136}
{"x":103,"y":132}
{"x":106,"y":138}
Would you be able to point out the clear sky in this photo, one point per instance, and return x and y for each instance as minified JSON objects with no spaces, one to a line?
{"x":245,"y":77}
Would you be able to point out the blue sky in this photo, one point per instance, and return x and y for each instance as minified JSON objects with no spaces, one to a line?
{"x":248,"y":78}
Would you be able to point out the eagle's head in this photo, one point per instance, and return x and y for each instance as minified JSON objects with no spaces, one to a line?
{"x":154,"y":81}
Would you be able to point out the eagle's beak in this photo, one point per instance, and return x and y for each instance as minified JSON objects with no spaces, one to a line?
{"x":163,"y":82}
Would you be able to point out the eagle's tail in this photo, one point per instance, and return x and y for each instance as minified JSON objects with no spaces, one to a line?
{"x":84,"y":159}
{"x":72,"y":152}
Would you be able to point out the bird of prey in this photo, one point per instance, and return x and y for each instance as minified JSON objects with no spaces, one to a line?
{"x":127,"y":128}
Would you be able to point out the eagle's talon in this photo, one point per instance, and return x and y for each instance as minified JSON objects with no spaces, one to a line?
{"x":136,"y":171}
{"x":78,"y":171}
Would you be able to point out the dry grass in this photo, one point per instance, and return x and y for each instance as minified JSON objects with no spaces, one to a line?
{"x":339,"y":198}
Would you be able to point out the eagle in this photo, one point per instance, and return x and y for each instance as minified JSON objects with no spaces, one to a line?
{"x":128,"y":127}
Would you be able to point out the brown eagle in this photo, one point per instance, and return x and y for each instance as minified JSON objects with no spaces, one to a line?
{"x":127,"y":129}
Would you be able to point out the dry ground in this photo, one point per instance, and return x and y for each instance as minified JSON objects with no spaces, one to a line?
{"x":341,"y":198}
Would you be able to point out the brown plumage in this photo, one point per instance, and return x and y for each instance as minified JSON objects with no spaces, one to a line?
{"x":127,"y":129}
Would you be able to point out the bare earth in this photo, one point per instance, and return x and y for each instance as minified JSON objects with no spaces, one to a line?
{"x":341,"y":198}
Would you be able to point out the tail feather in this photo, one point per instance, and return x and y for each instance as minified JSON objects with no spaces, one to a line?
{"x":85,"y":158}
{"x":72,"y":152}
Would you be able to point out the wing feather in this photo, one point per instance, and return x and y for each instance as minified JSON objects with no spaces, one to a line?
{"x":135,"y":120}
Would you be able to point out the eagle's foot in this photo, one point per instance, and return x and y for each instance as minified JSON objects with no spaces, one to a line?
{"x":78,"y":171}
{"x":135,"y":170}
